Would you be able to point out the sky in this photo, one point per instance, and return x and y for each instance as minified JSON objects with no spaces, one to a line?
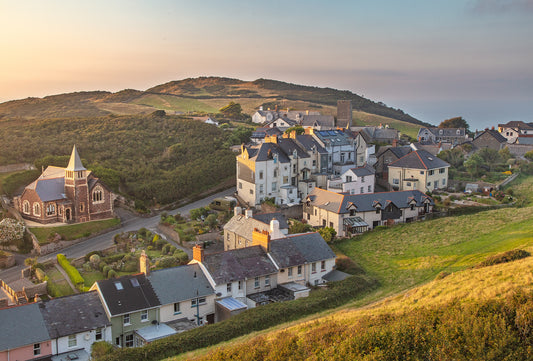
{"x":433,"y":59}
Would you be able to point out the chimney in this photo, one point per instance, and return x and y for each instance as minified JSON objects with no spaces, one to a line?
{"x":275,"y":232}
{"x":293,"y":134}
{"x":237,"y":211}
{"x":307,"y":112}
{"x":198,"y":253}
{"x":308,"y":131}
{"x":261,"y":108}
{"x":395,"y":143}
{"x":276,"y":108}
{"x":248,"y":213}
{"x":261,"y":238}
{"x":144,"y":263}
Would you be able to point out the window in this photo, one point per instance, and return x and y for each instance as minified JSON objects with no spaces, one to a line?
{"x":98,"y":195}
{"x":256,"y":282}
{"x":260,"y":189}
{"x":240,"y":185}
{"x":324,"y":223}
{"x":117,"y":341}
{"x":342,"y":157}
{"x":200,"y":301}
{"x":260,"y":174}
{"x":323,"y":265}
{"x":412,"y":206}
{"x":429,"y":184}
{"x":378,"y":210}
{"x":422,"y":172}
{"x":442,"y":170}
{"x":285,"y":179}
{"x":294,"y":168}
{"x":82,"y":207}
{"x":274,"y":186}
{"x":443,"y":181}
{"x":331,"y":224}
{"x":396,"y":181}
{"x":362,"y":179}
{"x":72,"y":342}
{"x":369,"y":189}
{"x":362,"y":190}
{"x":431,"y":172}
{"x":313,"y":267}
{"x":26,"y":207}
{"x":348,"y":178}
{"x":127,"y":319}
{"x":228,"y":287}
{"x":129,"y":340}
{"x":251,"y":191}
{"x":352,"y":212}
{"x":315,"y":212}
{"x":275,"y":173}
{"x":299,"y":270}
{"x":314,"y":162}
{"x":240,"y":285}
{"x":98,"y":335}
{"x":36,"y":349}
{"x":267,"y":280}
{"x":408,"y":184}
{"x":50,"y":209}
{"x":289,"y":271}
{"x":144,"y":315}
{"x":36,"y":209}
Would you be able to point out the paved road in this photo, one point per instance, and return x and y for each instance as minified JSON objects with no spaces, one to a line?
{"x":106,"y":240}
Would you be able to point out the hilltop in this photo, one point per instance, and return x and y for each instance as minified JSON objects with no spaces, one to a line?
{"x":198,"y":95}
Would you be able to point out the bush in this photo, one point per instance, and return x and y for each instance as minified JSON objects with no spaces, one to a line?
{"x":112,"y":274}
{"x":150,"y":248}
{"x":165,"y":249}
{"x":101,"y":265}
{"x":181,"y":256}
{"x":504,"y":257}
{"x":72,"y":272}
{"x":95,"y":260}
{"x":106,"y":270}
{"x":40,"y":274}
{"x":160,"y":243}
{"x":88,"y":255}
{"x":100,"y":349}
{"x":166,"y":262}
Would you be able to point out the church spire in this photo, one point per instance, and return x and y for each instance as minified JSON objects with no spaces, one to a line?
{"x":75,"y":162}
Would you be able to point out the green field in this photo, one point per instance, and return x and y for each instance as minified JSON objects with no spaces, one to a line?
{"x":175,"y":103}
{"x":74,"y":231}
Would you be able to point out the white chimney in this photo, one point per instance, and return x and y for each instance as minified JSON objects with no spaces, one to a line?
{"x":248,"y":213}
{"x":261,"y":108}
{"x":237,"y":211}
{"x":275,"y":232}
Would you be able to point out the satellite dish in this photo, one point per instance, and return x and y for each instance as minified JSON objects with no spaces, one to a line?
{"x":87,"y":337}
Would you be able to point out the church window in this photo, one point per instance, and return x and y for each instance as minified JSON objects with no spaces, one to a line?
{"x":82,"y":207}
{"x":36,"y":209}
{"x":50,"y":209}
{"x":98,"y":195}
{"x":26,"y":207}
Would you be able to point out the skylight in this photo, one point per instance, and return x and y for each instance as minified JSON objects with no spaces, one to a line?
{"x":134,"y":282}
{"x":118,"y":286}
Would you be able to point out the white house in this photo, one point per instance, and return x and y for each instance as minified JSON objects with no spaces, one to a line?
{"x":354,"y":181}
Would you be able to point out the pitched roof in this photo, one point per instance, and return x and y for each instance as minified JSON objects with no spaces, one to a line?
{"x":516,"y":124}
{"x":244,"y":226}
{"x":289,"y":146}
{"x":335,"y":137}
{"x":300,"y":249}
{"x":127,"y":294}
{"x":50,"y":189}
{"x":21,"y":326}
{"x":493,"y":133}
{"x":180,"y":283}
{"x":308,"y":142}
{"x":419,"y":159}
{"x":340,"y":203}
{"x":363,"y":171}
{"x":320,"y":120}
{"x":74,"y":163}
{"x":238,"y":264}
{"x":266,"y":151}
{"x":73,"y":314}
{"x":448,"y":132}
{"x":267,"y":217}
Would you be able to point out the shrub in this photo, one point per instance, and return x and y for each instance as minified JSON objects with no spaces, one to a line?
{"x":112,"y":274}
{"x":181,"y":256}
{"x":150,"y":248}
{"x":101,"y":265}
{"x":166,"y":262}
{"x":172,"y":249}
{"x":88,"y":255}
{"x":504,"y":257}
{"x":106,"y":270}
{"x":130,"y":266}
{"x":95,"y":260}
{"x":72,"y":272}
{"x":160,"y":243}
{"x":101,"y":348}
{"x":165,"y":249}
{"x":40,"y":274}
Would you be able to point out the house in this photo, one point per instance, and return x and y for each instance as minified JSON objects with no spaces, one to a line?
{"x":258,"y":135}
{"x":184,"y":293}
{"x":445,"y":135}
{"x":354,"y":181}
{"x":238,"y":230}
{"x":281,"y":122}
{"x":352,"y":214}
{"x":491,"y":139}
{"x":318,"y":122}
{"x":262,"y":116}
{"x":71,"y":194}
{"x":381,"y":134}
{"x":132,"y":306}
{"x":512,"y":130}
{"x":75,"y":322}
{"x":341,"y":148}
{"x":24,"y":335}
{"x":431,"y":147}
{"x":418,"y":170}
{"x":385,"y":156}
{"x":210,"y":120}
{"x":237,"y":273}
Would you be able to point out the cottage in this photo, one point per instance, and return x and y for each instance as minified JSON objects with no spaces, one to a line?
{"x":418,"y":170}
{"x":354,"y":181}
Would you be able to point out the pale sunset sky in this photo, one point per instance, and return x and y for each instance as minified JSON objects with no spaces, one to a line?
{"x":432,"y":59}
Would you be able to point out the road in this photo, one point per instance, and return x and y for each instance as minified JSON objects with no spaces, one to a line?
{"x":106,"y":240}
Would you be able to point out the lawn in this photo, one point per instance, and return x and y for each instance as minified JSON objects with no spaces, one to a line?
{"x":175,"y":103}
{"x":73,"y":231}
{"x":91,"y":277}
{"x":409,"y":255}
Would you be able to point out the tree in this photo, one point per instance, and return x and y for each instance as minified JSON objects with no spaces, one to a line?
{"x":199,"y":213}
{"x":505,"y":153}
{"x":457,"y":122}
{"x":453,"y":156}
{"x":232,"y":110}
{"x":473,"y":164}
{"x":328,"y":233}
{"x":490,"y":157}
{"x":32,"y":261}
{"x":212,"y":220}
{"x":299,"y":227}
{"x":298,"y":129}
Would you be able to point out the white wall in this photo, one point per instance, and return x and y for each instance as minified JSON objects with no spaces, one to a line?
{"x":167,"y":314}
{"x":83,"y":340}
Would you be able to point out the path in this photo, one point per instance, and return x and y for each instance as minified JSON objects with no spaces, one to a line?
{"x":65,"y":275}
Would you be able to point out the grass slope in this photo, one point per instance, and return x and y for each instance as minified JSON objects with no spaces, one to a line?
{"x":73,"y":231}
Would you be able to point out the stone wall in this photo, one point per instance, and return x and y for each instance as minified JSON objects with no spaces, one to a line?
{"x":39,"y":289}
{"x":8,"y":261}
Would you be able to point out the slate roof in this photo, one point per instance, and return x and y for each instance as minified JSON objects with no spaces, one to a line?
{"x":73,"y":314}
{"x":50,"y":189}
{"x":494,"y":133}
{"x":339,"y":203}
{"x":130,"y":298}
{"x":397,"y":151}
{"x":74,"y":163}
{"x":238,"y":264}
{"x":299,"y":249}
{"x":289,"y":146}
{"x":363,"y":171}
{"x":260,"y":133}
{"x":447,"y":132}
{"x":516,"y":125}
{"x":335,"y":137}
{"x":21,"y":326}
{"x":267,"y":217}
{"x":308,"y":142}
{"x":243,"y":226}
{"x":419,"y":159}
{"x":524,"y":139}
{"x":180,"y":284}
{"x":310,"y":120}
{"x":266,"y":151}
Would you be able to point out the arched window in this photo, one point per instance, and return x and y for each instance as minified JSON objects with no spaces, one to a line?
{"x":50,"y":209}
{"x":36,"y":209}
{"x":26,"y":207}
{"x":98,"y":195}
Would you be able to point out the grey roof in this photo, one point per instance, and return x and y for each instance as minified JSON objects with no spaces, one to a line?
{"x":266,"y":151}
{"x":494,"y":133}
{"x":335,"y":275}
{"x":21,"y":326}
{"x":73,"y":314}
{"x":50,"y":189}
{"x":267,"y":217}
{"x":155,"y":332}
{"x":320,"y":120}
{"x":363,"y":171}
{"x":341,"y":203}
{"x":260,"y":133}
{"x":524,"y":140}
{"x":289,"y":146}
{"x":180,"y":283}
{"x":419,"y":159}
{"x":516,"y":125}
{"x":397,"y":151}
{"x":300,"y":249}
{"x":74,"y":163}
{"x":238,"y":264}
{"x":335,"y":137}
{"x":231,"y":304}
{"x":308,"y":142}
{"x":447,"y":132}
{"x":136,"y":294}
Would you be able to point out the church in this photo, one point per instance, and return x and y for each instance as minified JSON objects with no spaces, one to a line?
{"x":68,"y":195}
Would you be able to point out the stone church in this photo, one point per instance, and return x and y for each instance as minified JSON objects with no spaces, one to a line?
{"x":69,"y":195}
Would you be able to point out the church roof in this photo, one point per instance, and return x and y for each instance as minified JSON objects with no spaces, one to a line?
{"x":74,"y":163}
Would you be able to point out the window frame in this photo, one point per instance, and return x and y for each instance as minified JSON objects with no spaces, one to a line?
{"x":144,"y":316}
{"x":72,"y":341}
{"x":126,"y":319}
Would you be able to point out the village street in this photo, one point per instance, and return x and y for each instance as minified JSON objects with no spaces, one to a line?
{"x":129,"y":223}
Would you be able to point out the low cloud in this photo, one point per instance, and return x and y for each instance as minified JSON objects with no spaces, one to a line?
{"x":501,"y":6}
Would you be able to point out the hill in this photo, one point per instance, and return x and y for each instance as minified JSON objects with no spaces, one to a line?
{"x":198,"y":95}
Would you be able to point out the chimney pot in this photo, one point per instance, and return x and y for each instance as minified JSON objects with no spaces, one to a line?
{"x":198,"y":253}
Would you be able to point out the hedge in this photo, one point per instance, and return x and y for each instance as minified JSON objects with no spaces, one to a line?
{"x":255,"y":319}
{"x":72,"y":272}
